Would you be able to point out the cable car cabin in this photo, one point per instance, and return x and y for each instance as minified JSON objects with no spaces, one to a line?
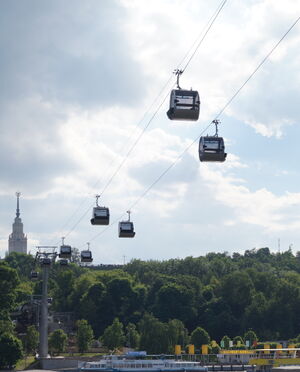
{"x":64,"y":262}
{"x":65,"y":251}
{"x":126,"y":229}
{"x":86,"y":256}
{"x":34,"y":275}
{"x":184,"y":105}
{"x":100,"y":216}
{"x":46,"y":261}
{"x":211,"y":148}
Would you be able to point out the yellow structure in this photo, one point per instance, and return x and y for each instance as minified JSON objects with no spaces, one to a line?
{"x":278,"y":347}
{"x":191,"y":349}
{"x":274,"y":362}
{"x":276,"y":357}
{"x":237,"y":351}
{"x":291,"y":346}
{"x":267,"y":346}
{"x":204,"y":349}
{"x":177,"y":349}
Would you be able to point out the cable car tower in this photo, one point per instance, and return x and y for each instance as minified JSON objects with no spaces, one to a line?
{"x":45,"y":256}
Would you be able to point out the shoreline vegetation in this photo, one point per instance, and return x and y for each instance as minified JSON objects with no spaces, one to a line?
{"x":154,"y":305}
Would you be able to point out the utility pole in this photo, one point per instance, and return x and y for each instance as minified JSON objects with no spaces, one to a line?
{"x":45,"y":256}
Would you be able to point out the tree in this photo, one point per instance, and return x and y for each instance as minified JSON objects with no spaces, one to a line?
{"x":65,"y":280}
{"x":57,"y":341}
{"x":174,"y":301}
{"x":238,"y":339}
{"x":215,"y":348}
{"x":250,"y":336}
{"x":200,"y":337}
{"x":84,"y":335}
{"x":6,"y":326}
{"x":113,"y":336}
{"x":22,"y":262}
{"x":132,"y":336}
{"x":177,"y":333}
{"x":8,"y":284}
{"x":237,"y":289}
{"x":75,"y":258}
{"x":10,"y":351}
{"x":31,"y":340}
{"x":154,"y":335}
{"x":226,"y":342}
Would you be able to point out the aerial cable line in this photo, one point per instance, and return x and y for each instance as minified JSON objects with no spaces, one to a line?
{"x":258,"y":67}
{"x":201,"y":36}
{"x":110,"y":164}
{"x":145,"y":192}
{"x":120,"y":165}
{"x":207,"y":27}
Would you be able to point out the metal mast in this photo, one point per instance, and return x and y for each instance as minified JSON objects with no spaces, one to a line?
{"x":45,"y":256}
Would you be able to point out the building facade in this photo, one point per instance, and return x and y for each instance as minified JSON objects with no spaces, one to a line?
{"x":17,"y":241}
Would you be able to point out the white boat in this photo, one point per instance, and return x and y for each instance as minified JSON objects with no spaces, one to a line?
{"x":133,"y":362}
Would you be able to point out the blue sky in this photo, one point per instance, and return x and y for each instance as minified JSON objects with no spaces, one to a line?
{"x":78,"y":76}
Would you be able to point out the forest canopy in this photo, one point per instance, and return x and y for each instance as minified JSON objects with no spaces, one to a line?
{"x":224,"y":294}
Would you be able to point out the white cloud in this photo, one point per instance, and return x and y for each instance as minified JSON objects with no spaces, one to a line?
{"x":74,"y":92}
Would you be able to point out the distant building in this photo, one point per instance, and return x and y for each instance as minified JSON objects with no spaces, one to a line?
{"x":17,"y":241}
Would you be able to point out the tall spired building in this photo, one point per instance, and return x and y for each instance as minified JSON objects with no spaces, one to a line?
{"x":17,"y":241}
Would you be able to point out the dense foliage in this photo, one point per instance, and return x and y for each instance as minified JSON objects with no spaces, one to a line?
{"x":223,"y":294}
{"x":57,"y":341}
{"x":10,"y":350}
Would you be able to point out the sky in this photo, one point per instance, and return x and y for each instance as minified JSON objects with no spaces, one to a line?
{"x":83,"y":98}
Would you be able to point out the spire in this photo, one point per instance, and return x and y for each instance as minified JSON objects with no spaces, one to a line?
{"x":18,"y":209}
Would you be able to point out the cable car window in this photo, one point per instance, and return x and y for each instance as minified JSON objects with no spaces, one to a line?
{"x":100,"y":212}
{"x":185,"y":100}
{"x":211,"y":144}
{"x":126,"y":226}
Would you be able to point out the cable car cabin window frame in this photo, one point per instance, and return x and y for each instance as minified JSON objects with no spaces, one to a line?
{"x":100,"y":212}
{"x":126,"y":233}
{"x":213,"y":154}
{"x":84,"y":258}
{"x":100,"y":216}
{"x":65,"y":251}
{"x":46,"y":262}
{"x":34,"y":275}
{"x":184,"y":105}
{"x":125,"y":224}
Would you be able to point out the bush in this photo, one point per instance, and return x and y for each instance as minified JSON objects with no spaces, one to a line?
{"x":85,"y":335}
{"x":200,"y":337}
{"x":10,"y":351}
{"x":57,"y":341}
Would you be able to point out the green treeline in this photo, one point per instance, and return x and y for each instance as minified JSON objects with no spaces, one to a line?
{"x":225,"y":295}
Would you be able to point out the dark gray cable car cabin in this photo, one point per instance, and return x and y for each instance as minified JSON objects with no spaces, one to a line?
{"x":34,"y":275}
{"x":86,"y":256}
{"x":184,"y":105}
{"x":45,"y":261}
{"x":65,"y":251}
{"x":212,"y":148}
{"x":126,"y":229}
{"x":100,"y":216}
{"x":64,"y":262}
